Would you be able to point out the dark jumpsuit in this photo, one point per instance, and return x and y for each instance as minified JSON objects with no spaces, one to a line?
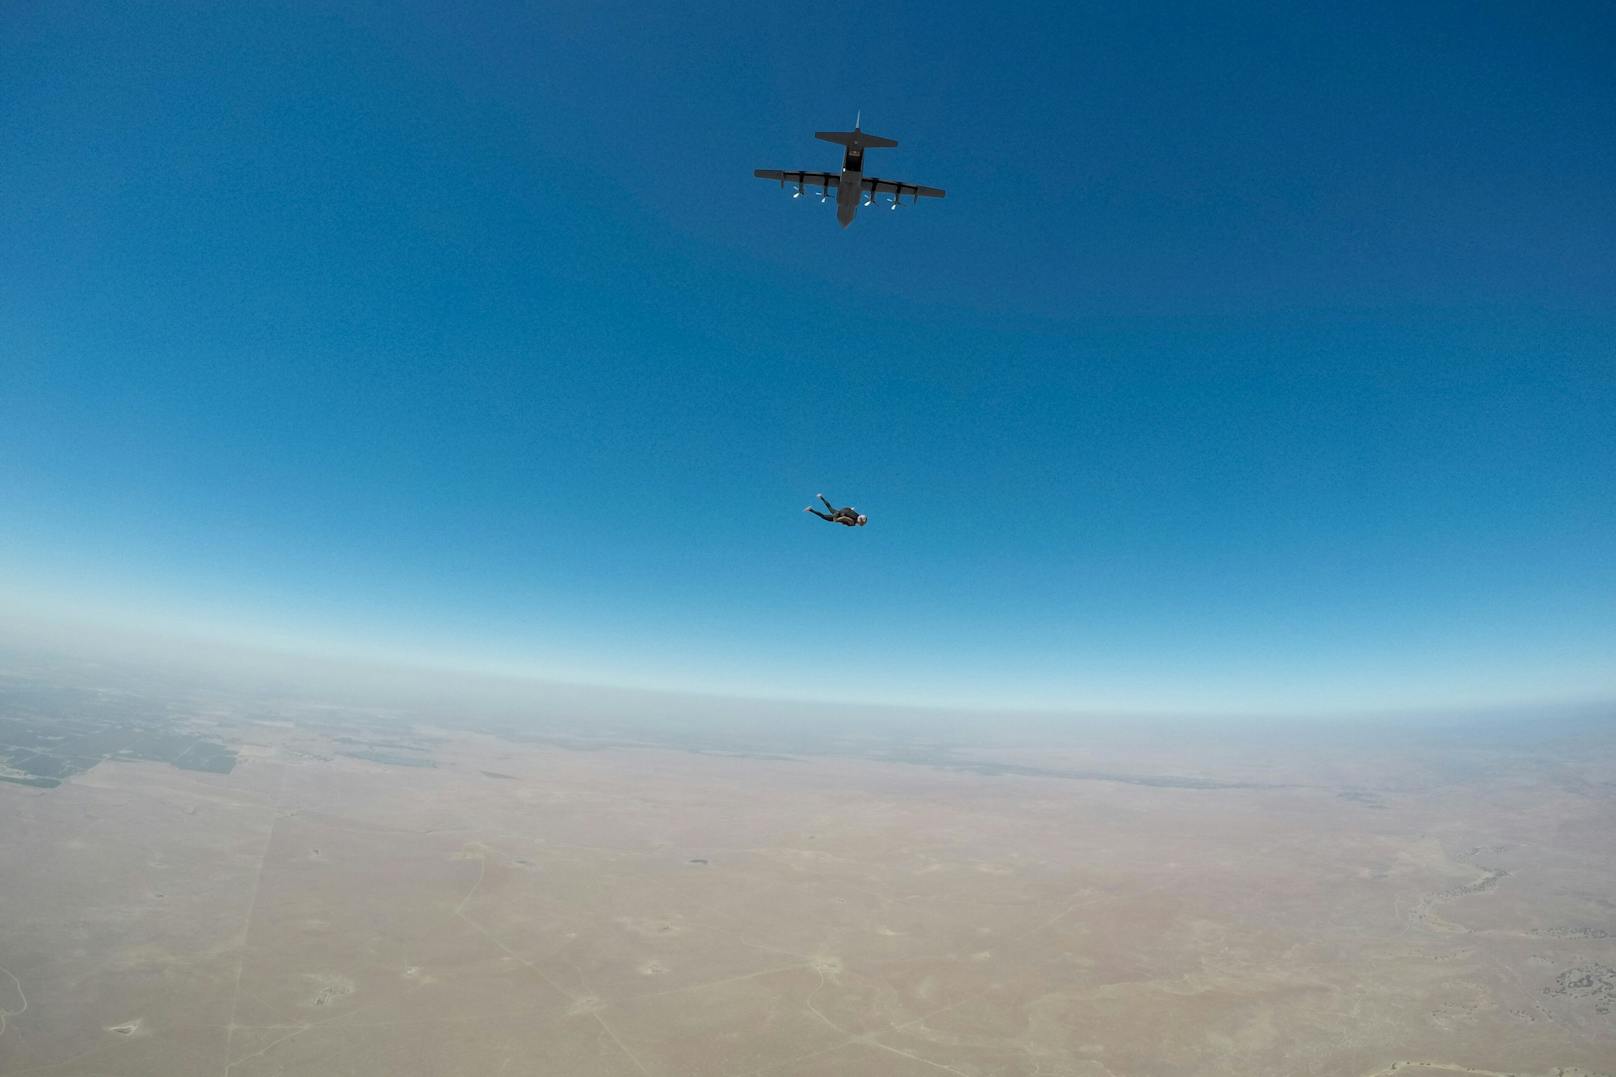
{"x":847,"y":516}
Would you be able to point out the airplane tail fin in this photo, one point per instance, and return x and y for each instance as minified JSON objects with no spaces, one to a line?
{"x":856,"y":138}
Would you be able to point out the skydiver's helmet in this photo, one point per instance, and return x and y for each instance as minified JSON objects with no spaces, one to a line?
{"x":863,"y":519}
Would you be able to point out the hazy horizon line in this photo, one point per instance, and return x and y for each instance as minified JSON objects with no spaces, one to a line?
{"x":67,"y":637}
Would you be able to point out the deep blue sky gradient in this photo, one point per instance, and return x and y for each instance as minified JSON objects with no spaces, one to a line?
{"x":1258,"y":357}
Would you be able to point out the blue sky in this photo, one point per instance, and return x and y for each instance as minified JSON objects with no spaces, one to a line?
{"x":1258,"y":357}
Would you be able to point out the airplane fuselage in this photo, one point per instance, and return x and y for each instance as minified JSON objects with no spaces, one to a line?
{"x":852,"y":185}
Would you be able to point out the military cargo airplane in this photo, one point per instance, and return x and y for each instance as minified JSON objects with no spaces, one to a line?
{"x":852,"y":181}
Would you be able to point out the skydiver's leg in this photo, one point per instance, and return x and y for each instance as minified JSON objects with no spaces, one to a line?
{"x":828,"y":505}
{"x":817,"y":513}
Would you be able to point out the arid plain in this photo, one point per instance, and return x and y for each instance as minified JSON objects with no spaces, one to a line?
{"x":386,"y":892}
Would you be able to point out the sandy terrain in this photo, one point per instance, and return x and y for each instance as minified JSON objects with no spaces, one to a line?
{"x":1326,"y":906}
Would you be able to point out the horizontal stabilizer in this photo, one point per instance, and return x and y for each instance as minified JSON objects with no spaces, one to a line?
{"x":856,"y":138}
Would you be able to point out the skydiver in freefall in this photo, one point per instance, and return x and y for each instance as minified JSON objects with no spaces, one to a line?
{"x":847,"y":517}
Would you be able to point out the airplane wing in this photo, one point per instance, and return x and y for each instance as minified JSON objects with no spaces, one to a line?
{"x":875,"y":186}
{"x":823,"y":181}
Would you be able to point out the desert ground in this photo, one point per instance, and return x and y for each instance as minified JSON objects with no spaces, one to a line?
{"x":382,"y":892}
